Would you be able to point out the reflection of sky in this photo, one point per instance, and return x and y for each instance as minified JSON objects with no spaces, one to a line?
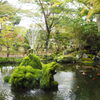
{"x":5,"y":89}
{"x":66,"y":81}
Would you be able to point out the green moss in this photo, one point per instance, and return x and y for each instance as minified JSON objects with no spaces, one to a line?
{"x":47,"y":79}
{"x":25,"y":77}
{"x":6,"y":79}
{"x":86,"y":59}
{"x":32,"y":74}
{"x":66,"y":59}
{"x":88,"y":63}
{"x":32,"y":60}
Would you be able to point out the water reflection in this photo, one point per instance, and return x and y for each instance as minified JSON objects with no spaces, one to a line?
{"x":88,"y":88}
{"x":72,"y":86}
{"x":66,"y":81}
{"x":5,"y":89}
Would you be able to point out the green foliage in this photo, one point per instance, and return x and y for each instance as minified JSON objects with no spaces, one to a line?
{"x":66,"y":59}
{"x":92,"y":5}
{"x":87,"y":61}
{"x":25,"y":77}
{"x":6,"y":79}
{"x":10,"y":60}
{"x":15,"y":20}
{"x":32,"y":60}
{"x":6,"y":9}
{"x":47,"y":81}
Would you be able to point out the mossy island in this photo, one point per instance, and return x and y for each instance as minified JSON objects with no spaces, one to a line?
{"x":32,"y":74}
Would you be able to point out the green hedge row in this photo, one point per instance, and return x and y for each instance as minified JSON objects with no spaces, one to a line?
{"x":10,"y":60}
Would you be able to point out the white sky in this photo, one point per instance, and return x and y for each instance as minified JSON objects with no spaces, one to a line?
{"x":26,"y":21}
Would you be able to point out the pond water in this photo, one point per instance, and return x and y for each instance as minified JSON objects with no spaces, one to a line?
{"x":72,"y":86}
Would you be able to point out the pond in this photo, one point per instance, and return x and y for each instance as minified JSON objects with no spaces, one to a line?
{"x":72,"y":86}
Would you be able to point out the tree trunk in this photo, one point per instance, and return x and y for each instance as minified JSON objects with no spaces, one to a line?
{"x":98,"y":21}
{"x":8,"y":52}
{"x":46,"y":25}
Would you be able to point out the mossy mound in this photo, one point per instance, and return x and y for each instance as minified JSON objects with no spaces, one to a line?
{"x":47,"y":81}
{"x":87,"y":61}
{"x":32,"y":74}
{"x":25,"y":77}
{"x":32,"y":60}
{"x":66,"y":59}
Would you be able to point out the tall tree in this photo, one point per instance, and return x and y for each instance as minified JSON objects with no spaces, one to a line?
{"x":52,"y":12}
{"x":94,"y":9}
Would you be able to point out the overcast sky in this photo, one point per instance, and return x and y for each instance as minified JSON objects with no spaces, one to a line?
{"x":26,"y":21}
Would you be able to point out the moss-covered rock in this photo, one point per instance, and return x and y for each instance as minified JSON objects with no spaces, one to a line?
{"x":47,"y":81}
{"x":25,"y":77}
{"x":66,"y":59}
{"x":32,"y":74}
{"x":87,"y":61}
{"x":32,"y":60}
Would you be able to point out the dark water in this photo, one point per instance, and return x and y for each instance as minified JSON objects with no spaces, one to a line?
{"x":72,"y":86}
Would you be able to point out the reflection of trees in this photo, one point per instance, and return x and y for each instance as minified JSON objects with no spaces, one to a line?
{"x":86,"y":88}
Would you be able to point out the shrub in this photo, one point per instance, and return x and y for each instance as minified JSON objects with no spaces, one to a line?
{"x":25,"y":77}
{"x":10,"y":60}
{"x":47,"y":80}
{"x":32,"y":60}
{"x":6,"y":79}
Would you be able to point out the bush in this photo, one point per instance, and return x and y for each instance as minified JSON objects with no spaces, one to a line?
{"x":32,"y":60}
{"x":6,"y":79}
{"x":47,"y":80}
{"x":25,"y":77}
{"x":10,"y":60}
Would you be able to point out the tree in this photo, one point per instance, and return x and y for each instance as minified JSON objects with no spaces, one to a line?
{"x":93,"y":7}
{"x":51,"y":12}
{"x":10,"y":37}
{"x":6,"y":9}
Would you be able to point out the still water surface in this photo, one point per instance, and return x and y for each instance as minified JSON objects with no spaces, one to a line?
{"x":72,"y":86}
